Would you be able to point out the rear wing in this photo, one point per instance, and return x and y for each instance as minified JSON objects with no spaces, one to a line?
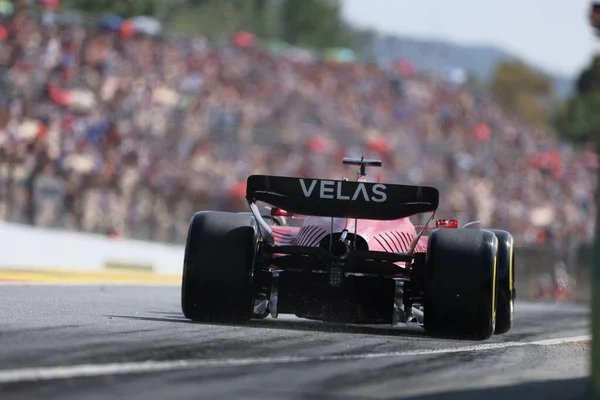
{"x":342,"y":199}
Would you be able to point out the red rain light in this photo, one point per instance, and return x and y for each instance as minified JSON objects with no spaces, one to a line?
{"x":446,"y":223}
{"x":280,"y":213}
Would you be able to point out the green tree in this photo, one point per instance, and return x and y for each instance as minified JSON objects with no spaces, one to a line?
{"x":589,"y":79}
{"x":580,"y":122}
{"x":579,"y":118}
{"x":315,"y":23}
{"x":522,"y":91}
{"x":122,"y":8}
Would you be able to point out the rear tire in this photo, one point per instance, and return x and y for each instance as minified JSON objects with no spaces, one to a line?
{"x":505,"y":284}
{"x":217,"y":271}
{"x":460,"y":281}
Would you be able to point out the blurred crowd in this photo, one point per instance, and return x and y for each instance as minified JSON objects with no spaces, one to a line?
{"x":116,"y":133}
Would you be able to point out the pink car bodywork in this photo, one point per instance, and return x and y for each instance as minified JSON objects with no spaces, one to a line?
{"x":390,"y":236}
{"x":396,"y":236}
{"x":393,"y":236}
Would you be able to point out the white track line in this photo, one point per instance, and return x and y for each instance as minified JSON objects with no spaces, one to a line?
{"x":90,"y":370}
{"x":552,"y":342}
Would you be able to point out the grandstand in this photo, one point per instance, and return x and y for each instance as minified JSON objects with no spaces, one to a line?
{"x":109,"y":131}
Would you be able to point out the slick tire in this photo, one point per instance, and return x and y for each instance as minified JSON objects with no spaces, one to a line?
{"x":505,"y":285}
{"x":460,"y":282}
{"x":217,"y":270}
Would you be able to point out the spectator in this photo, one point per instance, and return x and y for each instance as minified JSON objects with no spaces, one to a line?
{"x":122,"y":134}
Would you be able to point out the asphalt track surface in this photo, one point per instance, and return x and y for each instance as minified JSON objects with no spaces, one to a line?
{"x":131,"y":342}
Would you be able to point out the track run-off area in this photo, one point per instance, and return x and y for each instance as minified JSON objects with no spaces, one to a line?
{"x":100,"y":341}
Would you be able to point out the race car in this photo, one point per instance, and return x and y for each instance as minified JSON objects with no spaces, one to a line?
{"x":352,"y":256}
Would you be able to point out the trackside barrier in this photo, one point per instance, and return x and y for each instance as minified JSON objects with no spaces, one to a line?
{"x":27,"y":248}
{"x":24,"y":247}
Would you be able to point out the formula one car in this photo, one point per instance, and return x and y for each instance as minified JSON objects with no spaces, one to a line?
{"x":354,"y":257}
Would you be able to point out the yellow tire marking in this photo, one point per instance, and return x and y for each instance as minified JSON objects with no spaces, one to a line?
{"x":494,"y":290}
{"x":510,"y":268}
